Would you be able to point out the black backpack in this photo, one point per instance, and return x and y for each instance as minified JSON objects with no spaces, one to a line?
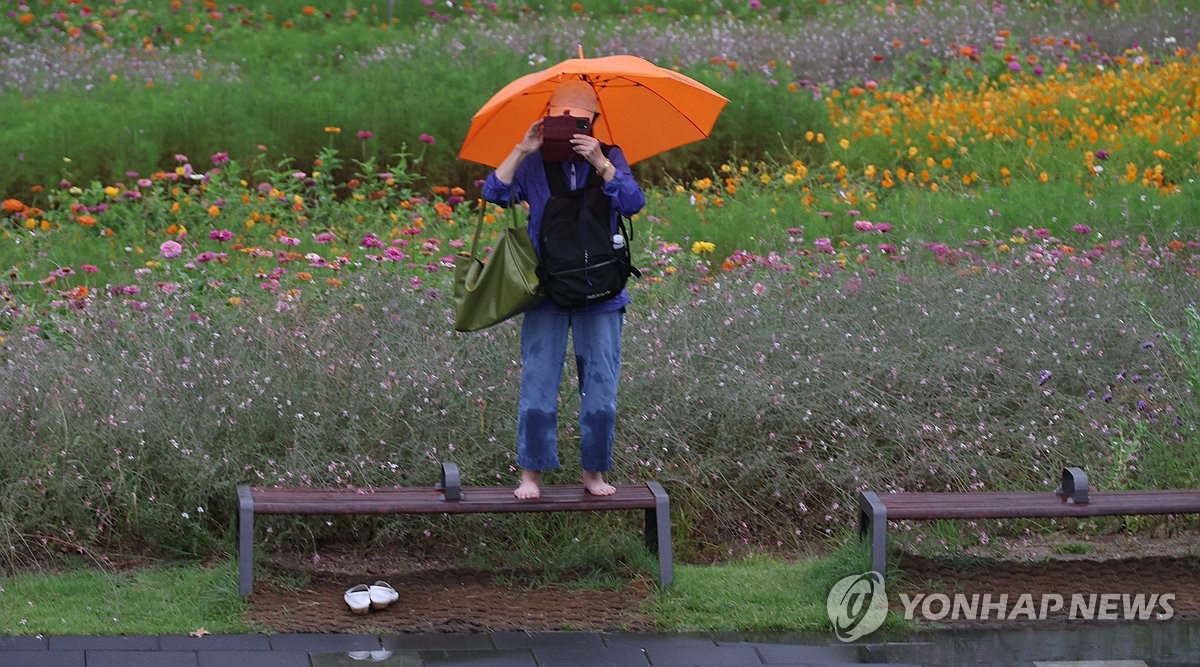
{"x":578,"y":263}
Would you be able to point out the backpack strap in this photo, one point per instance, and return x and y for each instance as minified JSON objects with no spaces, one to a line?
{"x":558,"y":182}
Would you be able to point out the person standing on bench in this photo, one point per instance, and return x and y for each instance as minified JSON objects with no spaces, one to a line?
{"x":528,"y":174}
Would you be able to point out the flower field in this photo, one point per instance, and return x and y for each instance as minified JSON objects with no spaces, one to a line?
{"x":959,"y":256}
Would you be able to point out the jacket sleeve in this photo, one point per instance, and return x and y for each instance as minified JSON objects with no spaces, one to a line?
{"x":626,"y":194}
{"x":497,"y":191}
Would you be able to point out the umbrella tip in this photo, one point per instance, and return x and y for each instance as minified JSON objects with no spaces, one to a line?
{"x":580,"y":47}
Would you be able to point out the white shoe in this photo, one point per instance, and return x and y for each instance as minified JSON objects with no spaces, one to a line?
{"x":358,"y":598}
{"x":382,"y":594}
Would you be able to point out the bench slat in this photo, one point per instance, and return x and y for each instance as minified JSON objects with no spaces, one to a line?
{"x":402,"y":500}
{"x":1004,"y":505}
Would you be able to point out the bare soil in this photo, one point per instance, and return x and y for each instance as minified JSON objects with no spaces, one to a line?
{"x":305,"y":594}
{"x":434,"y":597}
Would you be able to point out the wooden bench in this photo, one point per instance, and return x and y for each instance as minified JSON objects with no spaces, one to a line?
{"x":448,"y":497}
{"x":1072,"y":499}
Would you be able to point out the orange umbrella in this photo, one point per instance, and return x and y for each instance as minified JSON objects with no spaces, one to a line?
{"x":645,"y":109}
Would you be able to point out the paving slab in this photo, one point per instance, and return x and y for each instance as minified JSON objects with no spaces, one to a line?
{"x":141,"y":659}
{"x":574,"y":656}
{"x":715,"y":655}
{"x":776,"y":654}
{"x":215,"y":643}
{"x":254,"y":659}
{"x":324,"y":643}
{"x":512,"y":640}
{"x":438,"y":642}
{"x":23,"y":643}
{"x":104,"y":643}
{"x":42,"y":658}
{"x":510,"y":658}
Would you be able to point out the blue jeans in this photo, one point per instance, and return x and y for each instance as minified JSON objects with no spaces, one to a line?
{"x":597,"y":343}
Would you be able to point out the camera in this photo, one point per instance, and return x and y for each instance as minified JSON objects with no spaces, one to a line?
{"x":556,"y":136}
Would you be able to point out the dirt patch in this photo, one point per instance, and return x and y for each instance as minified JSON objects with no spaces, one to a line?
{"x":435,"y":597}
{"x":304,"y":594}
{"x":1087,"y":579}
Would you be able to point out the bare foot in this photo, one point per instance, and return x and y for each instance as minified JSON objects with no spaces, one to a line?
{"x":595,"y":484}
{"x":529,"y":489}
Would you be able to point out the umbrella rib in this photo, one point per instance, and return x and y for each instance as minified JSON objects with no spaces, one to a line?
{"x":636,"y":84}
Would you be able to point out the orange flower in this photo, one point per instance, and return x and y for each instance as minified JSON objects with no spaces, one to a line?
{"x":304,"y":275}
{"x":86,"y":220}
{"x":12,"y":206}
{"x":26,"y":18}
{"x":309,"y":10}
{"x":441,"y":190}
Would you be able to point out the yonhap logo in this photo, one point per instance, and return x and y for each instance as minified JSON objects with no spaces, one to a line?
{"x":857,"y":605}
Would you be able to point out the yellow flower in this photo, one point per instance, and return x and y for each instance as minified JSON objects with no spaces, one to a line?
{"x":112,"y":191}
{"x":235,"y":300}
{"x":844,"y":143}
{"x":333,"y":130}
{"x":703,"y":246}
{"x":214,"y":210}
{"x":808,"y":136}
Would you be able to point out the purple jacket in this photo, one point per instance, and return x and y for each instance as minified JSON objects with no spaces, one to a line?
{"x":529,"y":184}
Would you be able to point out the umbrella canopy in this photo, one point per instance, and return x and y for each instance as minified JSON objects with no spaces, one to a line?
{"x":645,"y":109}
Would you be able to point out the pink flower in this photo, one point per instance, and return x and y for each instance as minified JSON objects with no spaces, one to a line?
{"x":759,"y":289}
{"x":170,"y":249}
{"x":1014,"y":66}
{"x":364,"y":134}
{"x":883,"y":227}
{"x":88,"y":268}
{"x":323,"y":237}
{"x":823,"y":244}
{"x":221,"y":235}
{"x":863,"y":226}
{"x":426,"y":138}
{"x":1082,"y":229}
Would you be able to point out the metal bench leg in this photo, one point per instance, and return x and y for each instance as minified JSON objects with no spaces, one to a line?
{"x":245,"y":532}
{"x":872,"y":516}
{"x":658,"y":533}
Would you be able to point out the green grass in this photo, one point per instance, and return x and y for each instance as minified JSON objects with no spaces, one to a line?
{"x":175,"y":599}
{"x":757,"y":595}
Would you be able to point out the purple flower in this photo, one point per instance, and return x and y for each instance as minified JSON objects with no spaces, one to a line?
{"x":364,"y":134}
{"x":1082,"y":229}
{"x":1045,"y":377}
{"x":1014,"y":66}
{"x":221,"y":235}
{"x":863,"y":226}
{"x":427,"y":138}
{"x":1102,"y":155}
{"x":170,"y":249}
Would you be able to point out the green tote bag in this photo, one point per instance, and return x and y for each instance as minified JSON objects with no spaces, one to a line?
{"x":506,"y":284}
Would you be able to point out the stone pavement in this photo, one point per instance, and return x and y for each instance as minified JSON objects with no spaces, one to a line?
{"x":1098,"y":645}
